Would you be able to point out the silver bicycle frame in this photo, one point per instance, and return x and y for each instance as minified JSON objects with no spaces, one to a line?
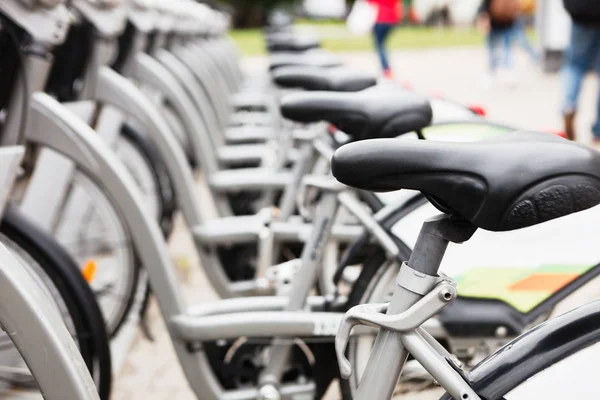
{"x":55,"y":171}
{"x":220,"y":182}
{"x":66,"y":133}
{"x":118,"y":92}
{"x":115,"y":90}
{"x":418,"y":295}
{"x":285,"y":318}
{"x":195,"y":67}
{"x":32,"y":324}
{"x":55,"y":127}
{"x":49,"y":27}
{"x":51,"y":125}
{"x":70,"y":136}
{"x":39,"y":334}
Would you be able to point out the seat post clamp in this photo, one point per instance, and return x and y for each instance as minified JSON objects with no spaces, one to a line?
{"x":417,"y":282}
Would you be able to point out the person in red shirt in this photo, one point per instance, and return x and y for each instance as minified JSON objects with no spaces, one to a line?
{"x":389,"y":14}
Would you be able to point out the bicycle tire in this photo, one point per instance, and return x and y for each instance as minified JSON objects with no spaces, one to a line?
{"x":157,"y":168}
{"x":126,"y":298}
{"x":77,"y":295}
{"x":175,"y":123}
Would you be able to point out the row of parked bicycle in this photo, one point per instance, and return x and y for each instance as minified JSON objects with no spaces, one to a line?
{"x":110,"y":107}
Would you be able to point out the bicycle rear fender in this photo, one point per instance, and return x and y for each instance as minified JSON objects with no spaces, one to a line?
{"x":534,"y":351}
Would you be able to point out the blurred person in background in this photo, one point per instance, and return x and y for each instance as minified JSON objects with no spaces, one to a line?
{"x":411,"y":15}
{"x":520,"y":29}
{"x":582,"y":54}
{"x":497,"y":18}
{"x":389,"y":15}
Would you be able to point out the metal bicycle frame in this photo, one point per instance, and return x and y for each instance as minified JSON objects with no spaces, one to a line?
{"x":307,"y":152}
{"x":115,"y":90}
{"x":51,"y":125}
{"x":297,"y":315}
{"x":401,"y":332}
{"x":55,"y":127}
{"x":34,"y":326}
{"x":218,"y":81}
{"x":101,"y":49}
{"x":400,"y":335}
{"x":166,"y":77}
{"x":39,"y":334}
{"x":70,"y":136}
{"x":190,"y":70}
{"x":56,"y":171}
{"x":199,"y":325}
{"x":66,"y":133}
{"x":153,"y":251}
{"x":200,"y":60}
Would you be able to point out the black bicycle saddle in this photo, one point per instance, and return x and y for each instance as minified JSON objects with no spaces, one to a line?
{"x":312,"y":58}
{"x":377,"y":112}
{"x":290,"y":42}
{"x":512,"y":181}
{"x":328,"y":79}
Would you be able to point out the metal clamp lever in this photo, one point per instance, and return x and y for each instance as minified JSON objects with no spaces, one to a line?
{"x":373,"y":315}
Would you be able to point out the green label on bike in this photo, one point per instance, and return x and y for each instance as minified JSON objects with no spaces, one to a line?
{"x":522,"y":288}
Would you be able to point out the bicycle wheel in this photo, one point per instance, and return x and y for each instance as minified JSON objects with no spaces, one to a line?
{"x":143,"y":175}
{"x":147,"y":168}
{"x":178,"y":129}
{"x":60,"y":277}
{"x":91,"y":229}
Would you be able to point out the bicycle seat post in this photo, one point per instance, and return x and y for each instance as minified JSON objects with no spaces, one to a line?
{"x":418,"y":278}
{"x":433,"y":240}
{"x":36,"y":57}
{"x":38,"y":62}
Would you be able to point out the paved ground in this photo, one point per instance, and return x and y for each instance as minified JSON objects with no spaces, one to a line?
{"x":151,"y":371}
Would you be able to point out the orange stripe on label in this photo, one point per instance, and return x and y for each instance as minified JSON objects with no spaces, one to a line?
{"x":542,"y":282}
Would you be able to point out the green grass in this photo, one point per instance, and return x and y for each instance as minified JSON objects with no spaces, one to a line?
{"x":249,"y":41}
{"x":335,"y":37}
{"x":410,"y":38}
